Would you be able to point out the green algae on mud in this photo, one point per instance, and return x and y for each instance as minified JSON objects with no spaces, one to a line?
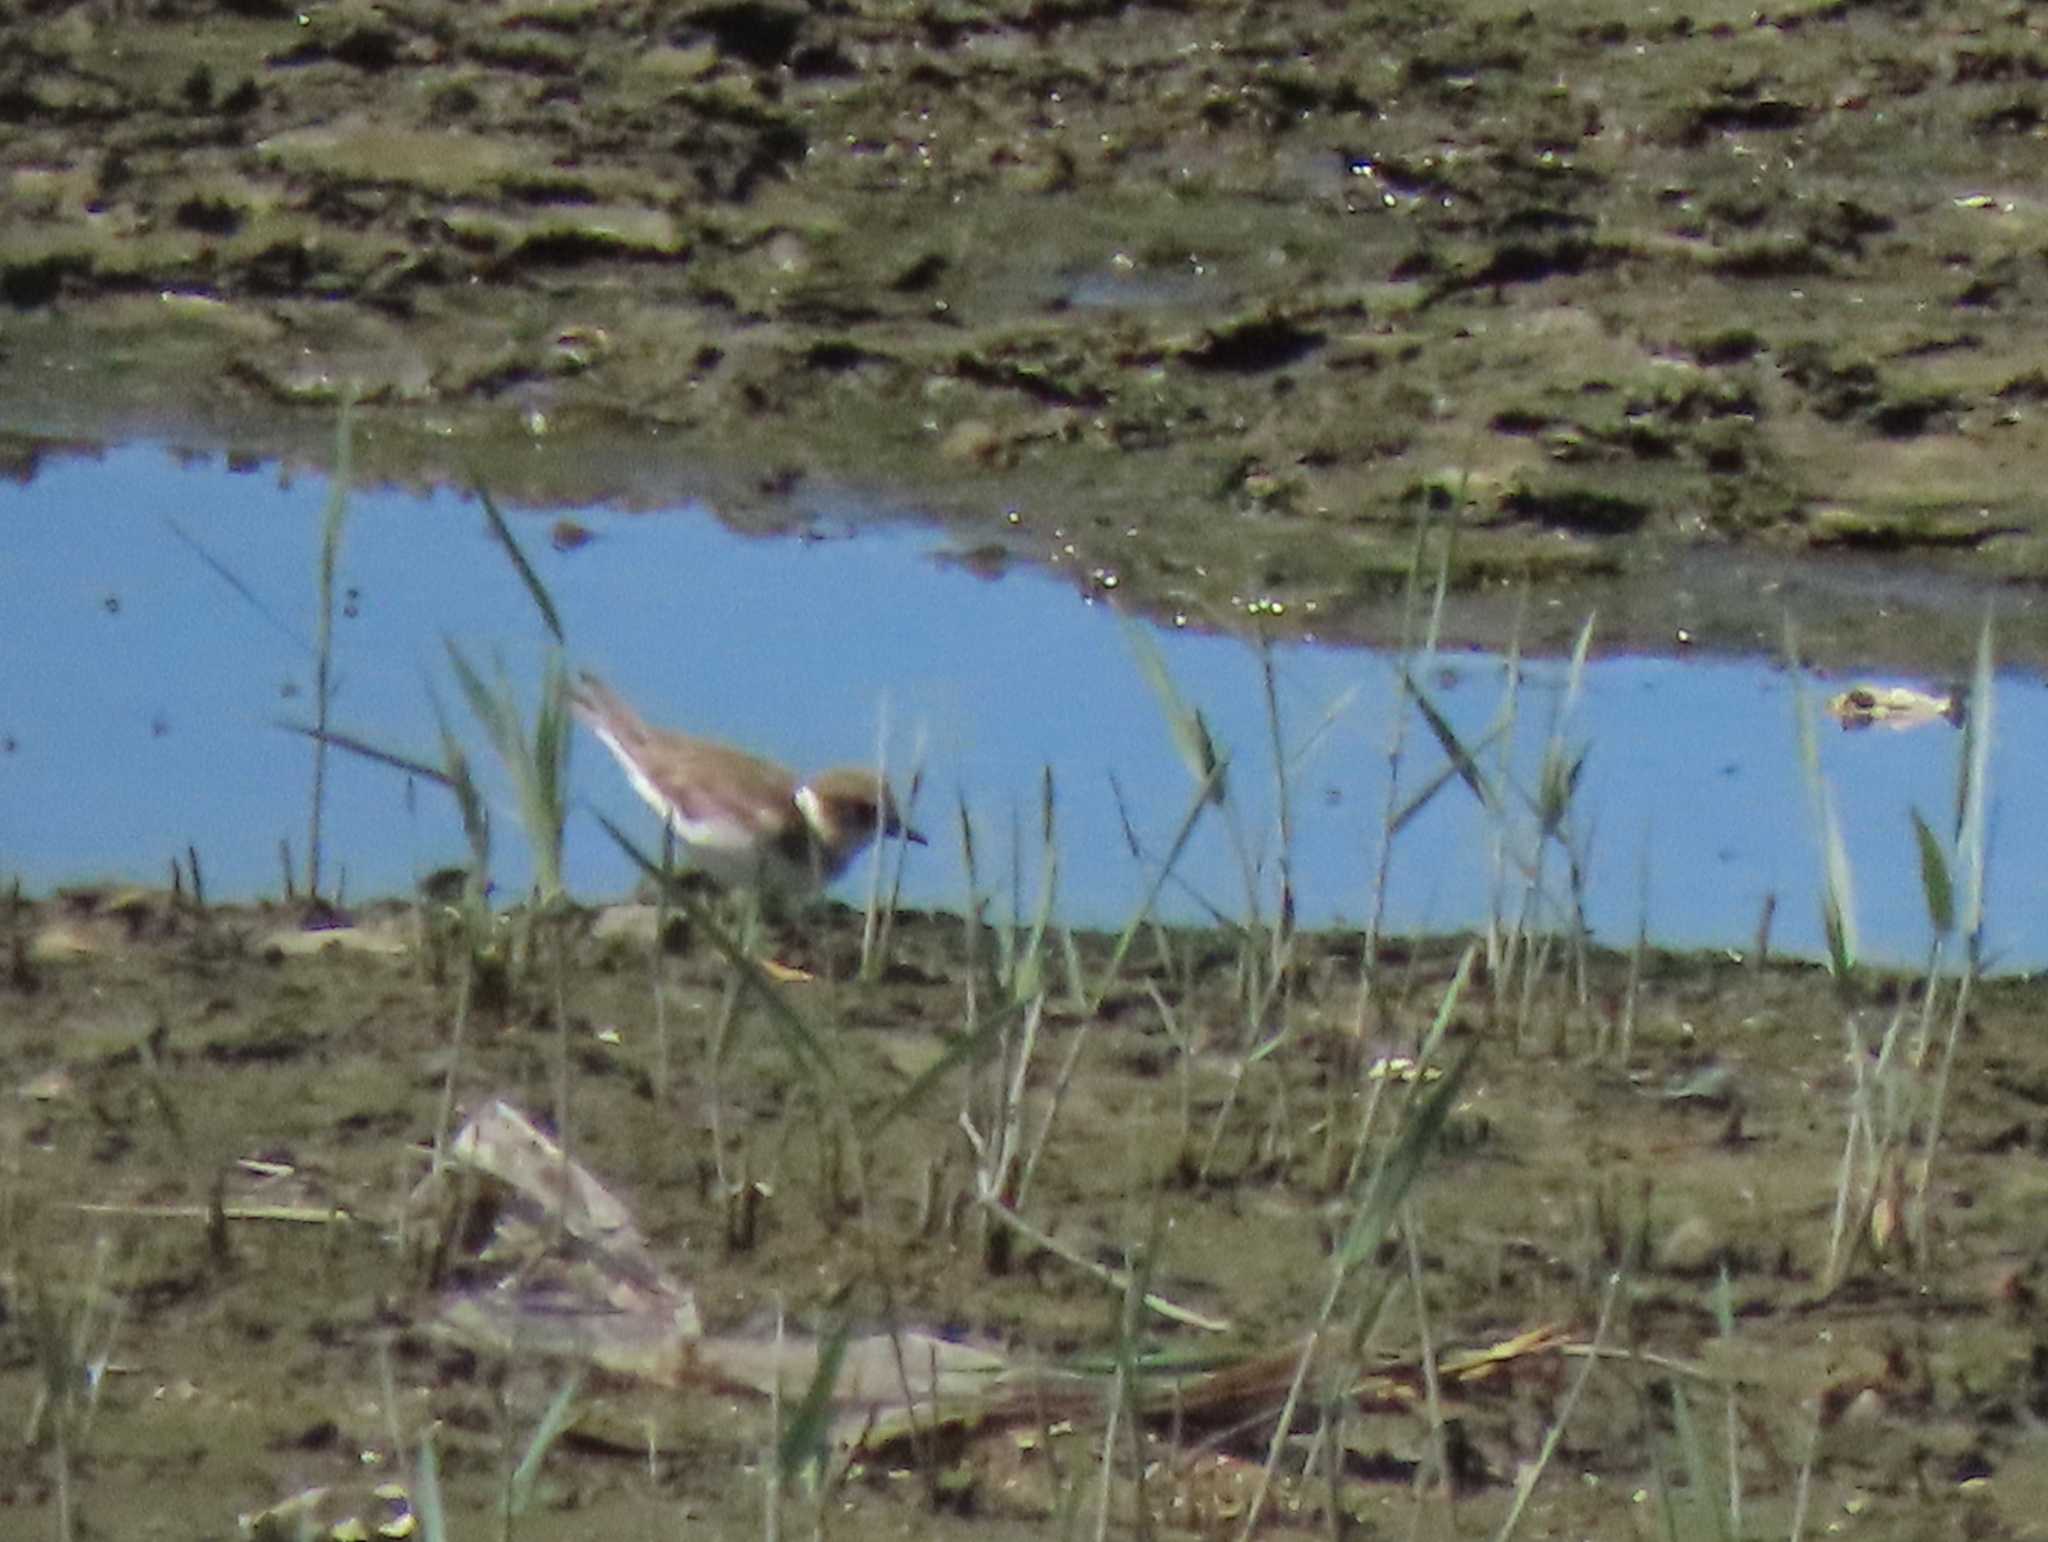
{"x":231,"y":1125}
{"x":1213,"y":297}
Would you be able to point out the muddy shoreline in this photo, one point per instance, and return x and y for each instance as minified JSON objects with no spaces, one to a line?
{"x":168,"y":1062}
{"x":1209,"y":303}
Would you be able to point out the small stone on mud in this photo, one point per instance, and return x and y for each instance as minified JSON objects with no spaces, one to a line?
{"x":47,"y":1086}
{"x":355,"y":939}
{"x":63,"y":940}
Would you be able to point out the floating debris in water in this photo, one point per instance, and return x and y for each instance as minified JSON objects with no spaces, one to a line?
{"x":568,"y":535}
{"x":1895,"y":706}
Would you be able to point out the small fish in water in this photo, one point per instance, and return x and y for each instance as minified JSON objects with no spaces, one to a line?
{"x":1895,"y":706}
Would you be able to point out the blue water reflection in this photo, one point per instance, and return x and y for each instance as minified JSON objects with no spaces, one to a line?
{"x":139,"y":695}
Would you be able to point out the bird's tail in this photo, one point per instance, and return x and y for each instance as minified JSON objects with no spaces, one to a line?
{"x":602,"y":709}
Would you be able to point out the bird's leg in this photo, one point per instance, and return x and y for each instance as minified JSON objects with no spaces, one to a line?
{"x":749,"y":916}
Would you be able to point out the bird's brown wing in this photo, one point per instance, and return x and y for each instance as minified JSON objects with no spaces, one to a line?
{"x":706,"y":781}
{"x":702,"y":783}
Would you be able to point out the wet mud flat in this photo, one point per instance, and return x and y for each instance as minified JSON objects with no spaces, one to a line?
{"x":1628,"y":1220}
{"x":1203,"y":303}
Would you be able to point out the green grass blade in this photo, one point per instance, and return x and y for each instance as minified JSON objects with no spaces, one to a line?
{"x":1699,"y":1473}
{"x":1204,"y":795}
{"x":539,"y":770}
{"x":968,"y":864}
{"x":1423,"y":796}
{"x":1974,"y":785}
{"x":1839,"y":902}
{"x":1135,"y":845}
{"x":1025,"y":970}
{"x":1331,"y":715}
{"x":228,"y":576}
{"x":547,"y":807}
{"x":469,"y":799}
{"x":1582,"y":647}
{"x":1389,"y":1180}
{"x":1190,"y":730}
{"x":1557,"y":785}
{"x":542,"y":601}
{"x":560,"y":1412}
{"x":1446,"y":564}
{"x":409,"y":764}
{"x":1934,"y":879}
{"x":427,"y":1503}
{"x":453,"y":773}
{"x":332,"y":520}
{"x":1462,"y":760}
{"x":1838,"y":893}
{"x":484,"y":705}
{"x":806,"y":1440}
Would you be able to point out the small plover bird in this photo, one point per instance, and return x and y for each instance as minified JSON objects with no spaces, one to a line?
{"x":746,"y":821}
